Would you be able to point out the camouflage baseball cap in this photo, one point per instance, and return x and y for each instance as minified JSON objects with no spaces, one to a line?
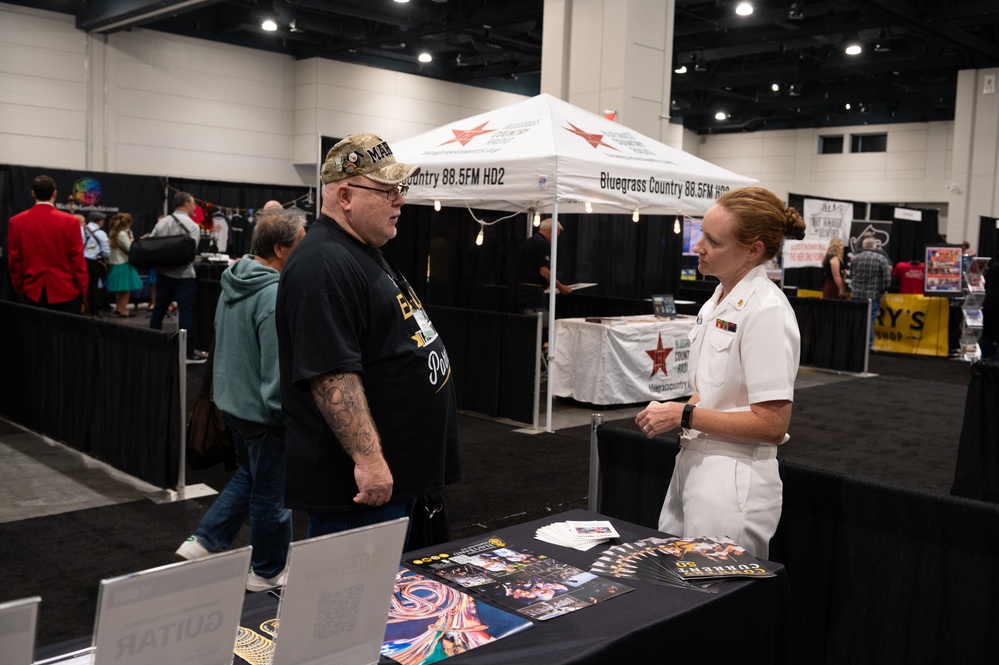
{"x":367,"y":155}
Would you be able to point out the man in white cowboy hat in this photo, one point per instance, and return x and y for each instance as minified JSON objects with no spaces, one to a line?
{"x":366,"y":384}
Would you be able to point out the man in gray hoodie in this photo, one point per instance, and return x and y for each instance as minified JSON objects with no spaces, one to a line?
{"x":247,"y":389}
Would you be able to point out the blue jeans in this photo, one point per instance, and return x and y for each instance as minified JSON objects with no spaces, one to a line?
{"x":255,"y":492}
{"x":184,"y":291}
{"x":875,"y":308}
{"x":321,"y":524}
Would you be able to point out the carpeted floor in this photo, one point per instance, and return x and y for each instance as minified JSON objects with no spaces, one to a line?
{"x":900,"y":427}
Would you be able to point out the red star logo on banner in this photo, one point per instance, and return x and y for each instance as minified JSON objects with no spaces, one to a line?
{"x":659,"y":355}
{"x":593,"y":139}
{"x":463,"y":136}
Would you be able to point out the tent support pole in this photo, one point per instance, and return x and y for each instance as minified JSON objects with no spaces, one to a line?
{"x":551,"y":311}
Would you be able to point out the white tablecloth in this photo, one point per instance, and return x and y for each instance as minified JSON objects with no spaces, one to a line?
{"x":634,"y":359}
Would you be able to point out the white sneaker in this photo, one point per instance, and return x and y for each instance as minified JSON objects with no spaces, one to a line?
{"x":192,"y":549}
{"x":255,"y":582}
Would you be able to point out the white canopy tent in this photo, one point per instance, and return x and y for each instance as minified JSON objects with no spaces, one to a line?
{"x":548,"y":156}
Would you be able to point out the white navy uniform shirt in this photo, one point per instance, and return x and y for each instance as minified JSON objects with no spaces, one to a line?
{"x":744,"y":349}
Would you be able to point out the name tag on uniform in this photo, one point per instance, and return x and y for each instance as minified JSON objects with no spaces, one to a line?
{"x":727,"y":326}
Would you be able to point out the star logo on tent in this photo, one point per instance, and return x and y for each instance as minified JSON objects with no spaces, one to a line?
{"x":463,"y":136}
{"x":593,"y":139}
{"x":659,"y":355}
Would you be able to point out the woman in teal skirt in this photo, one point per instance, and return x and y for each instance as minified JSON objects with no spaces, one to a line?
{"x":123,"y":278}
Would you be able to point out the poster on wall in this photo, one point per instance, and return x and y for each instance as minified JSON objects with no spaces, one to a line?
{"x":84,"y":192}
{"x":943,"y":271}
{"x":824,"y":220}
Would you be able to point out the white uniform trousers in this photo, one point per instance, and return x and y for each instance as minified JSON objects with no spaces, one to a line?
{"x":725,"y":489}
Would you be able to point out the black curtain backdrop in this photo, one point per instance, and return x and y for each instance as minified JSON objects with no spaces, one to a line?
{"x":909,"y":238}
{"x":833,"y":333}
{"x":879,"y":573}
{"x":139,"y":195}
{"x":437,"y":252}
{"x":988,"y":237}
{"x":977,"y":474}
{"x":107,"y":390}
{"x":493,"y":359}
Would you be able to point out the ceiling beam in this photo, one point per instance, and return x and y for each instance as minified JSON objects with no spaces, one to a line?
{"x":105,"y":16}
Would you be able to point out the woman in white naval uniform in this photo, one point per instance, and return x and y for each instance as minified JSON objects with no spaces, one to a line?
{"x":743,"y":361}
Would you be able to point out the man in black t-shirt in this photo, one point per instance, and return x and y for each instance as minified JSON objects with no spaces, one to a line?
{"x":366,"y":384}
{"x":535,"y":270}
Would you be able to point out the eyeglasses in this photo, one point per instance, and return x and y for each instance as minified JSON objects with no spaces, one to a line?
{"x":392,"y":194}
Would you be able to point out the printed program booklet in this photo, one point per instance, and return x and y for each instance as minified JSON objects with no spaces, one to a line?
{"x":533,"y":585}
{"x":699,"y":563}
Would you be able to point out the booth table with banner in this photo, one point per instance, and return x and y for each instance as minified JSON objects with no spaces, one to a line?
{"x":621,"y":360}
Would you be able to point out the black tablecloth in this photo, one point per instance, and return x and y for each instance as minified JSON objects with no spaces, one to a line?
{"x":746,"y":621}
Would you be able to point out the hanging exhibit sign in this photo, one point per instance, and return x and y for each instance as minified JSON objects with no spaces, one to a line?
{"x":912,"y":324}
{"x":824,"y":220}
{"x":860,"y":228}
{"x":542,"y":149}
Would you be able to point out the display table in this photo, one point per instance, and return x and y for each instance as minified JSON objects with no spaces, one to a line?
{"x":621,"y":360}
{"x":747,"y":621}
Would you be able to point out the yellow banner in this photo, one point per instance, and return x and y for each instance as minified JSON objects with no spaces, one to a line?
{"x":912,"y":324}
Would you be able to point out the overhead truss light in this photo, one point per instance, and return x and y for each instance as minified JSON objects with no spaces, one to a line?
{"x":269,"y":25}
{"x":744,"y":9}
{"x":851,"y":45}
{"x":425,"y":57}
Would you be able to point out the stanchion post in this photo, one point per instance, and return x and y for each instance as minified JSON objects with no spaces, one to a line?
{"x":596,"y":420}
{"x":867,"y":336}
{"x":538,"y":350}
{"x":182,"y":436}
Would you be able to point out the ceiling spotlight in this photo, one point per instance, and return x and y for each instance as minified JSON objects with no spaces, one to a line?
{"x":744,"y":9}
{"x":797,"y":11}
{"x":794,"y":90}
{"x":847,"y":106}
{"x":851,"y":45}
{"x":721,"y":115}
{"x":402,"y":1}
{"x":682,"y":69}
{"x":425,"y":57}
{"x":269,"y":25}
{"x":775,"y":87}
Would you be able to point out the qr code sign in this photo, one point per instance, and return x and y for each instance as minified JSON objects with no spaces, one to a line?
{"x":337,"y":612}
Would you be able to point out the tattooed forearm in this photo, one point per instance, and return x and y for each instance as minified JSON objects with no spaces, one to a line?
{"x":341,"y":400}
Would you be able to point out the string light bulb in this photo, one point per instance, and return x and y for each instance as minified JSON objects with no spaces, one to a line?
{"x":437,"y":206}
{"x":588,"y":207}
{"x":635,"y":215}
{"x":676,"y":224}
{"x":537,"y":218}
{"x":481,"y":237}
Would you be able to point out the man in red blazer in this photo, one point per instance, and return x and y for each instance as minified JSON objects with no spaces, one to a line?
{"x":45,"y":253}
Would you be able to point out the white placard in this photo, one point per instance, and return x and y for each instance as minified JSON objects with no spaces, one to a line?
{"x":335,"y":605}
{"x":182,"y":614}
{"x":907,"y":213}
{"x":18,"y":619}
